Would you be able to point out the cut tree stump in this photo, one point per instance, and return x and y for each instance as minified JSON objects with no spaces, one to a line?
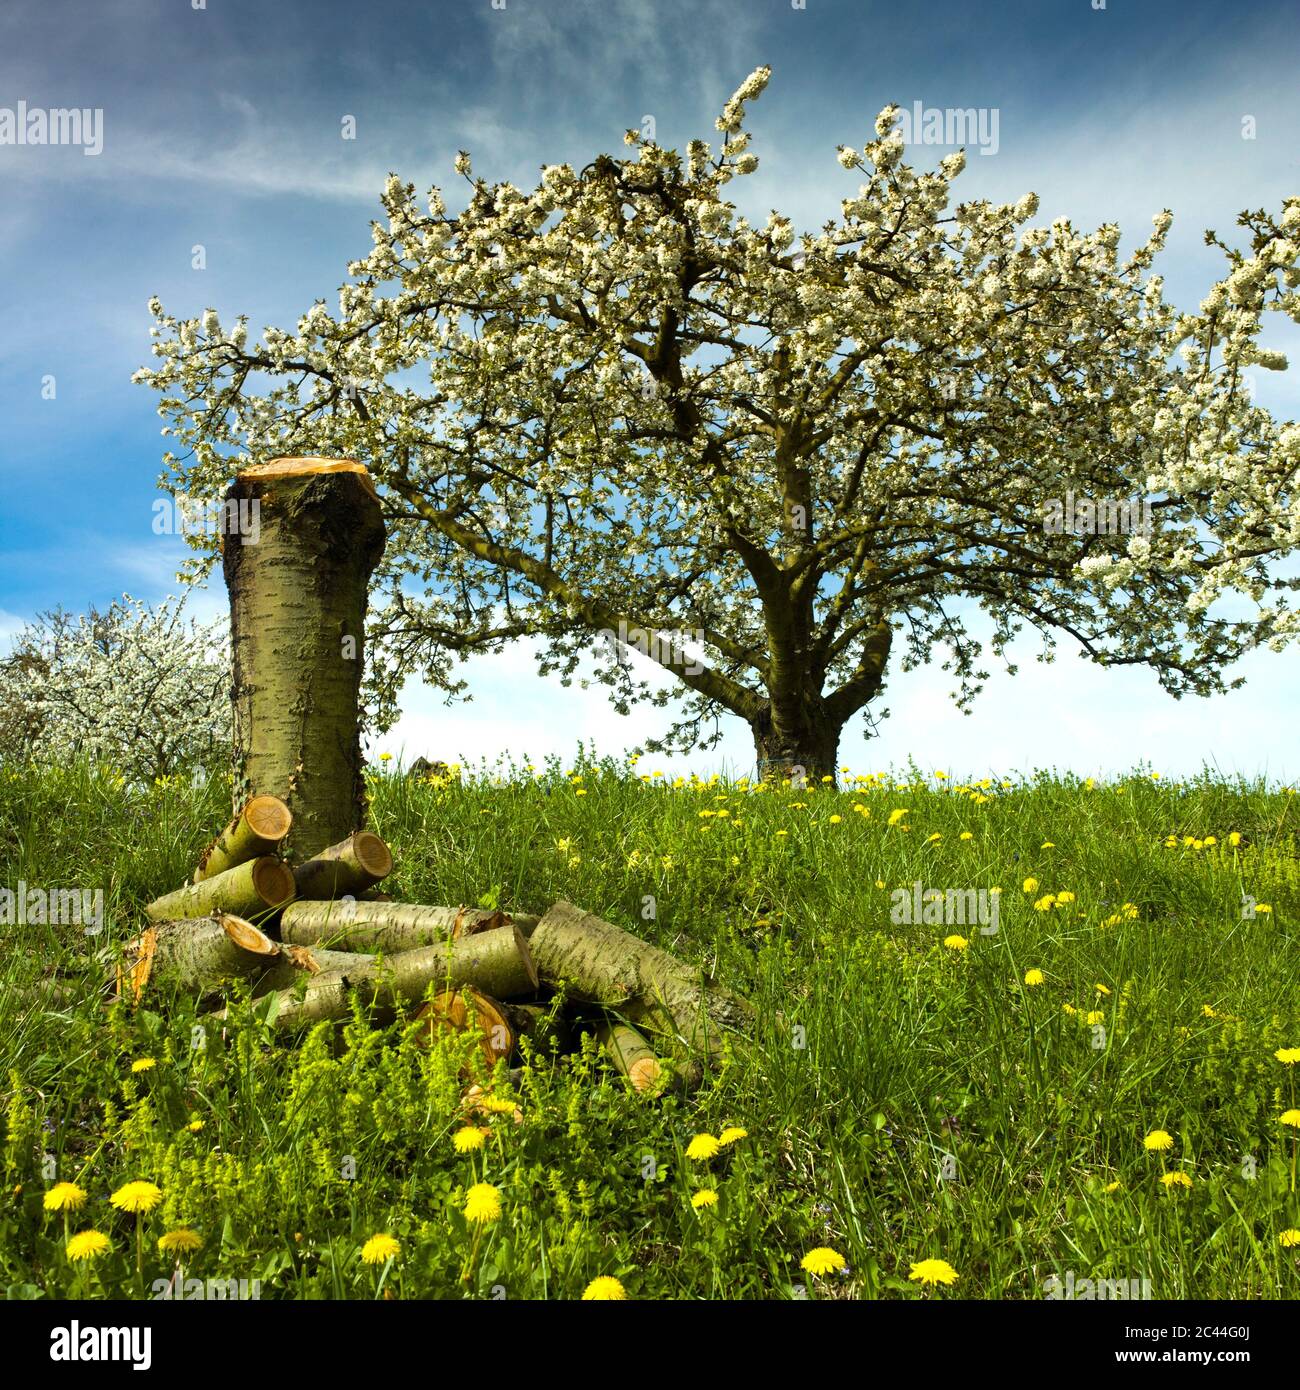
{"x":346,"y":869}
{"x":297,"y":618}
{"x":467,"y":1010}
{"x":196,"y":953}
{"x":601,"y":964}
{"x":256,"y":831}
{"x":252,"y":889}
{"x":373,"y":926}
{"x":496,"y":963}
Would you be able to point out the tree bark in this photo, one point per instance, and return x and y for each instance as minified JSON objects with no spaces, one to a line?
{"x":196,"y":953}
{"x":496,"y":963}
{"x":257,"y":830}
{"x":253,"y":889}
{"x":346,"y":869}
{"x":802,"y":748}
{"x":297,"y":616}
{"x":630,"y":1053}
{"x":601,"y":964}
{"x":388,"y":927}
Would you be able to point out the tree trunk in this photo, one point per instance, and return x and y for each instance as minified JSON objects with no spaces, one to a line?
{"x":346,"y":869}
{"x":256,"y":831}
{"x":387,"y":927}
{"x":802,"y":746}
{"x":253,"y":889}
{"x":298,"y":586}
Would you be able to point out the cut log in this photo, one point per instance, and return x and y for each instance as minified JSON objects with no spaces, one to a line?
{"x":496,"y":963}
{"x":297,"y":616}
{"x":196,"y":953}
{"x":345,"y":869}
{"x":253,"y":890}
{"x":600,"y":963}
{"x":256,"y":831}
{"x":631,"y":1054}
{"x":297,"y":963}
{"x":467,"y":1010}
{"x":372,"y":926}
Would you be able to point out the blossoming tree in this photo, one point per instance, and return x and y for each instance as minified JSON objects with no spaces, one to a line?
{"x":138,"y":688}
{"x":775,"y":460}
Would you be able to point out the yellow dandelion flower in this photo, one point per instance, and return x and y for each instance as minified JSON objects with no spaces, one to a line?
{"x":703,"y":1146}
{"x":603,"y":1290}
{"x":1034,"y":977}
{"x":497,"y":1105}
{"x":1290,"y":1117}
{"x":482,"y":1203}
{"x":86,"y":1245}
{"x":823,"y":1260}
{"x":896,"y":816}
{"x":1031,"y":885}
{"x":1100,"y":988}
{"x":930,"y":839}
{"x":181,"y":1241}
{"x":380,"y":1248}
{"x":966,"y":835}
{"x":835,"y":820}
{"x":136,"y":1197}
{"x":956,"y":943}
{"x":1069,"y":1009}
{"x":1094,"y":1017}
{"x":1047,"y":844}
{"x":143,"y":1064}
{"x":1066,"y":897}
{"x":64,"y":1196}
{"x":1045,"y":903}
{"x":1208,"y":1012}
{"x":1289,"y":1239}
{"x":194,"y":1126}
{"x":1234,"y":839}
{"x":466,"y":1140}
{"x":1288,"y":1056}
{"x":731,"y":1134}
{"x":1158,"y":1140}
{"x":1113,"y":1186}
{"x":931,"y":1272}
{"x":1175,"y":1179}
{"x":705,"y":1197}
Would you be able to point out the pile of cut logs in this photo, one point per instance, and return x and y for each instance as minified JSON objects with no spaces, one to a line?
{"x":318,"y":935}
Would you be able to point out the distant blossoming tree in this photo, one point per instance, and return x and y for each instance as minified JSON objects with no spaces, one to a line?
{"x":639,"y":415}
{"x":136,"y":688}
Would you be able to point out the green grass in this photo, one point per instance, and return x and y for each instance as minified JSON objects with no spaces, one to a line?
{"x":883,"y":1061}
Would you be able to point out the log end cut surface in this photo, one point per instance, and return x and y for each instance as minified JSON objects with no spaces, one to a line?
{"x":273,"y":879}
{"x":373,"y":854}
{"x":268,"y":818}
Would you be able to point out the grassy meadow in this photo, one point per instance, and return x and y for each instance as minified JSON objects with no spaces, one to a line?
{"x":915,"y":1091}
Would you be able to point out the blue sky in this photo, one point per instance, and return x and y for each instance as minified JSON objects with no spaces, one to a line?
{"x":222,"y":127}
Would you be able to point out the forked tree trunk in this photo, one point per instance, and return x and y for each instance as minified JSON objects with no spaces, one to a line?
{"x":298,"y":583}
